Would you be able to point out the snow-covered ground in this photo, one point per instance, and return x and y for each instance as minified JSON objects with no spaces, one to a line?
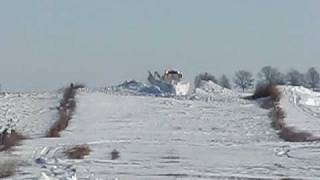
{"x":302,"y":108}
{"x":209,"y":135}
{"x":30,"y":114}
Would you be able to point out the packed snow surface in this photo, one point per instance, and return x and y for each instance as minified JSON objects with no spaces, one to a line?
{"x":31,"y":114}
{"x":205,"y":136}
{"x":302,"y":108}
{"x":215,"y":89}
{"x":182,"y":88}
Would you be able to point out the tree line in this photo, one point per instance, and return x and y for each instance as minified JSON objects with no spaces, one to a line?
{"x":268,"y":75}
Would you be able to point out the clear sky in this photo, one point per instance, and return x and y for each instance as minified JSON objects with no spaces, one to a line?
{"x":46,"y":43}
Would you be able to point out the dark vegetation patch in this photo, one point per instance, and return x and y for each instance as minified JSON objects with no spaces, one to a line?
{"x":66,"y":110}
{"x":270,"y":97}
{"x":266,"y":91}
{"x":115,"y":155}
{"x":78,"y":152}
{"x":8,"y":140}
{"x":7,"y":168}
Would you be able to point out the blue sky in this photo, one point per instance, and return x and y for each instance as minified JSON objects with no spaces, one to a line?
{"x":47,"y":43}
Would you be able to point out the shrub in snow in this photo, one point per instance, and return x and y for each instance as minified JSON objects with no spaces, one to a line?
{"x":267,"y":90}
{"x":9,"y":139}
{"x":78,"y":152}
{"x":291,"y":135}
{"x":7,"y":168}
{"x":277,"y":116}
{"x":115,"y":154}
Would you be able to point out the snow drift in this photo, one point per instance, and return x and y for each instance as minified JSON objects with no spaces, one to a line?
{"x":302,"y":108}
{"x":156,"y":89}
{"x":210,"y":91}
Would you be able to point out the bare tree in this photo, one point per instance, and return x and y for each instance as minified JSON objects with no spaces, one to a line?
{"x":204,"y":77}
{"x":224,"y":82}
{"x":313,"y":77}
{"x":295,"y":78}
{"x":270,"y":75}
{"x":243,"y":79}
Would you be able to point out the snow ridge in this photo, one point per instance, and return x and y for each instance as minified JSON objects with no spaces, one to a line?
{"x":302,"y":108}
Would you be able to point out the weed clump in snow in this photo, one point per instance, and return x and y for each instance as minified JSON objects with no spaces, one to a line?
{"x":115,"y":155}
{"x":291,"y":135}
{"x":277,"y":116}
{"x":267,"y":91}
{"x":78,"y":152}
{"x":9,"y":139}
{"x":7,"y":168}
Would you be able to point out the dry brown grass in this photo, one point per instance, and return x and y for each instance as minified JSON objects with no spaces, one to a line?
{"x":291,"y":135}
{"x":7,"y":168}
{"x":66,"y":109}
{"x":266,"y":103}
{"x":9,"y":140}
{"x":60,"y":124}
{"x":266,"y":91}
{"x":78,"y":152}
{"x":277,"y":116}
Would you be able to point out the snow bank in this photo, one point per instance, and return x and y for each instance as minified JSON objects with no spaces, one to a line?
{"x":211,"y":87}
{"x":210,"y":91}
{"x":302,"y":108}
{"x":206,"y":91}
{"x":142,"y":89}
